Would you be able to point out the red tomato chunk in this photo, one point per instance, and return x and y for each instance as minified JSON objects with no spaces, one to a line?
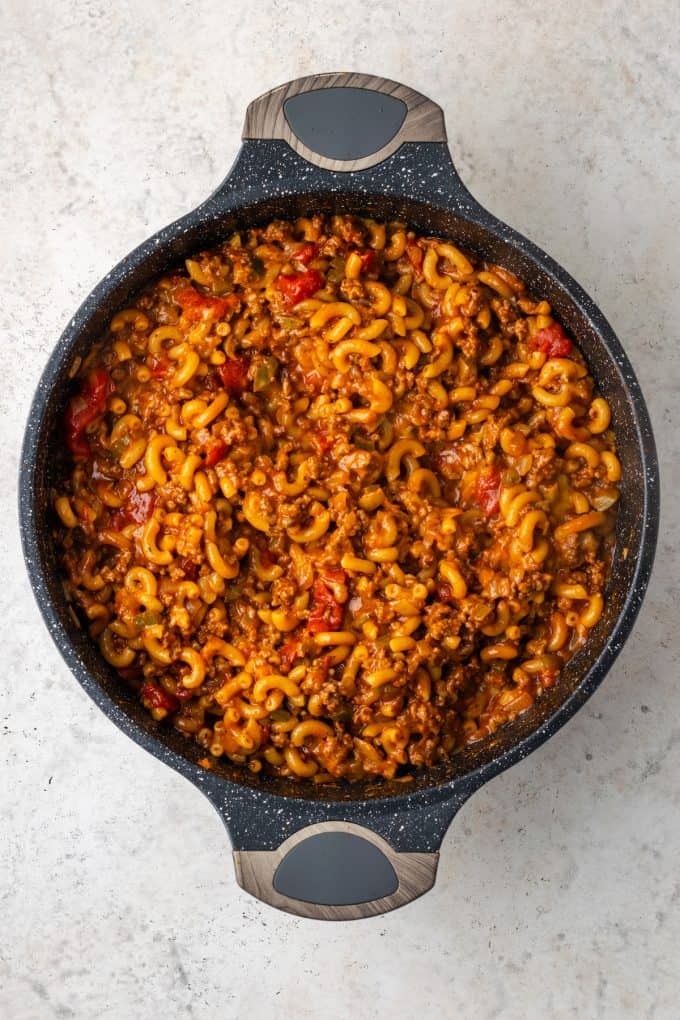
{"x":137,"y":509}
{"x":193,"y":304}
{"x":234,"y":375}
{"x":289,"y":653}
{"x":552,"y":341}
{"x":299,"y":286}
{"x":84,"y":408}
{"x":154,"y":696}
{"x":214,"y":452}
{"x":488,"y":490}
{"x":326,"y":612}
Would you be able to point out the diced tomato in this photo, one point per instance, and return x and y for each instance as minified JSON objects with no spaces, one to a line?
{"x":77,"y":444}
{"x":84,"y":408}
{"x":140,"y":505}
{"x":194,"y":304}
{"x":136,"y":510}
{"x":415,"y":257}
{"x":214,"y":451}
{"x":367,"y":257}
{"x":118,"y":520}
{"x":322,"y":441}
{"x":326,"y":612}
{"x":305,"y":254}
{"x":154,"y":696}
{"x":288,"y":653}
{"x":488,"y":490}
{"x":298,"y":287}
{"x":234,"y":375}
{"x":160,"y":366}
{"x":551,"y":341}
{"x":317,"y":621}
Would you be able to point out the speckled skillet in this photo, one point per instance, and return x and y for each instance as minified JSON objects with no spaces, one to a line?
{"x":358,"y":144}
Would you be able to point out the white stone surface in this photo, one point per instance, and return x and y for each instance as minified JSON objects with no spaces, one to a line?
{"x":559,"y":886}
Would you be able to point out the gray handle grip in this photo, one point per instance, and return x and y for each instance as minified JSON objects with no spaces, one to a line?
{"x":344,"y":121}
{"x":335,"y":871}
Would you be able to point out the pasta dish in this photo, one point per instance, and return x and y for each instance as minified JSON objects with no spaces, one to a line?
{"x":338,"y":499}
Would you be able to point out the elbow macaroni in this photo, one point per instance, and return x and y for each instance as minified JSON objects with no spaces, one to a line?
{"x":345,"y":531}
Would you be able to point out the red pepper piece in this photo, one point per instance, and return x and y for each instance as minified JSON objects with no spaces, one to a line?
{"x":234,"y":375}
{"x":154,"y":696}
{"x":305,"y":254}
{"x":214,"y":451}
{"x":136,"y":510}
{"x":194,"y":304}
{"x":551,"y":341}
{"x":84,"y":408}
{"x":326,"y":612}
{"x":488,"y":490}
{"x":299,"y":286}
{"x":288,"y":653}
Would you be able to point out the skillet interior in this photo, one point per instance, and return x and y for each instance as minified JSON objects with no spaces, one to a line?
{"x":582,"y":673}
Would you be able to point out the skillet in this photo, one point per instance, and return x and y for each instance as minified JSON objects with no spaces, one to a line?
{"x":350,"y":143}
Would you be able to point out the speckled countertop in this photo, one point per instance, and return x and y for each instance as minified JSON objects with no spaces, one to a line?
{"x":559,"y":885}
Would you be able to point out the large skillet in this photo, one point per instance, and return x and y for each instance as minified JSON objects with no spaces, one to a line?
{"x":350,"y":143}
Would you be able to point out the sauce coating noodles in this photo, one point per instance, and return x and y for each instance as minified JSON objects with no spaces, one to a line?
{"x":341,"y":498}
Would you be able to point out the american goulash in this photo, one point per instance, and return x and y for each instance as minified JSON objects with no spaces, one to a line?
{"x":341,"y":498}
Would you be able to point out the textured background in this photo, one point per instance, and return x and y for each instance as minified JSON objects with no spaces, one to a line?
{"x":559,"y":886}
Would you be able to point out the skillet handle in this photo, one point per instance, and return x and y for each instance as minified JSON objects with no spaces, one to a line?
{"x":335,"y":859}
{"x":344,"y":122}
{"x":335,"y":871}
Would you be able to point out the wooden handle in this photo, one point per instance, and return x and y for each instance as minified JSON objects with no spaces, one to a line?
{"x":338,"y":123}
{"x":335,"y":871}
